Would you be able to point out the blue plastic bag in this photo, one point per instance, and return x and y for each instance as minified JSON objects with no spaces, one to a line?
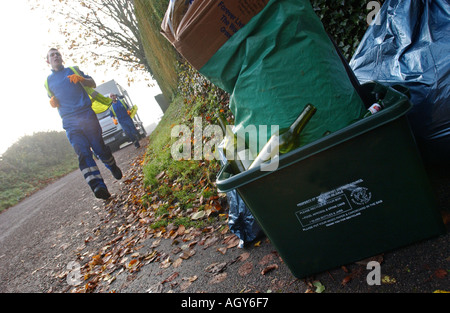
{"x":241,"y":222}
{"x":410,"y":46}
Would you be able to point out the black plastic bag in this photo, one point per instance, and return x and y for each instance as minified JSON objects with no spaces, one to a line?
{"x":409,"y":45}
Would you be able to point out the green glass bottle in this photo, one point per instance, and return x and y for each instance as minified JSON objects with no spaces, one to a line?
{"x":285,"y":140}
{"x":230,"y":146}
{"x":376,"y":107}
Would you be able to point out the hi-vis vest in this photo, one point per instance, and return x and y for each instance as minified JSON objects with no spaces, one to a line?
{"x":100,"y":103}
{"x":132,"y":110}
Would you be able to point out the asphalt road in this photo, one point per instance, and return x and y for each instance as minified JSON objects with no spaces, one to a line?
{"x":42,"y":237}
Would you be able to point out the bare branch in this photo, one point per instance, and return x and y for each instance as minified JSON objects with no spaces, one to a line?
{"x":102,"y":30}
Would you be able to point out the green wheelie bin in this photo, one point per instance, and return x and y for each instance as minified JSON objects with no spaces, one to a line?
{"x":350,"y":195}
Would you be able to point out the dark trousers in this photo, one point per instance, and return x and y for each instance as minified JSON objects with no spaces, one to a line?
{"x":129,"y":128}
{"x":84,"y":133}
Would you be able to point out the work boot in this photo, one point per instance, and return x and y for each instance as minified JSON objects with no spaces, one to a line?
{"x":117,"y":173}
{"x":137,"y":144}
{"x":101,"y":192}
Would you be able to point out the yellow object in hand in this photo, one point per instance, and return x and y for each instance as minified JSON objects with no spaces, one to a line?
{"x":54,"y":102}
{"x":74,"y":78}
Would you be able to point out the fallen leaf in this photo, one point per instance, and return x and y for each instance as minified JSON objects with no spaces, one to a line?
{"x":441,"y":291}
{"x":187,"y":281}
{"x":346,"y":280}
{"x":215,"y":268}
{"x":133,"y":265}
{"x":177,"y":262}
{"x":198,"y":215}
{"x":266,"y":259}
{"x":193,"y":243}
{"x":145,"y":220}
{"x":228,"y":238}
{"x":192,"y":278}
{"x":160,"y":175}
{"x":257,"y":244}
{"x":225,"y":230}
{"x":135,"y":255}
{"x":157,"y":288}
{"x":151,"y":257}
{"x":319,"y":287}
{"x":132,"y":262}
{"x":269,"y":269}
{"x":90,"y":286}
{"x":209,"y":242}
{"x":440,"y":273}
{"x":218,"y":278}
{"x":170,"y":278}
{"x":185,"y":285}
{"x":187,"y":254}
{"x":96,"y":260}
{"x":222,"y":250}
{"x":245,"y":269}
{"x":388,"y":280}
{"x":166,"y":263}
{"x":233,"y":242}
{"x":155,"y":243}
{"x":181,"y":229}
{"x":208,"y":229}
{"x":244,"y":256}
{"x":176,"y":250}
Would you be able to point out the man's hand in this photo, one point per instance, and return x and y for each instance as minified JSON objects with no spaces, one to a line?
{"x":74,"y":78}
{"x":54,"y":102}
{"x":115,"y":121}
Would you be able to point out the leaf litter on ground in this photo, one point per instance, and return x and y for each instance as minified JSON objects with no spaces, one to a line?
{"x":127,"y":229}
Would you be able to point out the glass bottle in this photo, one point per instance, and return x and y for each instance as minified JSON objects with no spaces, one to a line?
{"x":285,"y":140}
{"x":230,"y":146}
{"x":374,"y":108}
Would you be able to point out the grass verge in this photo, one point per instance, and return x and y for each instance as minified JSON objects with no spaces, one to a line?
{"x":184,"y":189}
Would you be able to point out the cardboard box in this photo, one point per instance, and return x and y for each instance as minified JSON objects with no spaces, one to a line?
{"x":198,"y":28}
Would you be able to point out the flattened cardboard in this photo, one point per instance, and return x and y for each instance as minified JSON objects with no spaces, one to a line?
{"x":199,"y":29}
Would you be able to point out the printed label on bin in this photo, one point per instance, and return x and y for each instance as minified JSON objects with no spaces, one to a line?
{"x":335,"y":206}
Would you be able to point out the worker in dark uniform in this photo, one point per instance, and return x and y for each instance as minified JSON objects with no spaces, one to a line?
{"x":120,"y":112}
{"x":66,"y":89}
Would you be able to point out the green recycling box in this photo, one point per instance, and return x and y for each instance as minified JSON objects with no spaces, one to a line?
{"x":348,"y":196}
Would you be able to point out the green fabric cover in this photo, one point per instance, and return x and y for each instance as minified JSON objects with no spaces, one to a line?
{"x":276,"y":64}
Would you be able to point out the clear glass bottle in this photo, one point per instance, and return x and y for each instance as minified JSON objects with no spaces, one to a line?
{"x":285,"y":140}
{"x":230,"y":146}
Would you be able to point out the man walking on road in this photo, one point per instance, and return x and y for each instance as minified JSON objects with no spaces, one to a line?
{"x":67,"y":93}
{"x":119,"y":111}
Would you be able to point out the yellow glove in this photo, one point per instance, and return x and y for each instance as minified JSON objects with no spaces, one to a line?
{"x":114,"y":121}
{"x":74,"y":78}
{"x":54,"y":102}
